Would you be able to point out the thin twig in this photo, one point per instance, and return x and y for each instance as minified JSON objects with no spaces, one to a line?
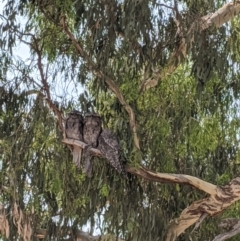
{"x":200,"y":220}
{"x":45,"y":86}
{"x":109,"y":81}
{"x":217,"y":19}
{"x":48,"y":98}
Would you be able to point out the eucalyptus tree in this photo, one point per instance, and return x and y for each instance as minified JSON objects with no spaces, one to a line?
{"x":164,"y":76}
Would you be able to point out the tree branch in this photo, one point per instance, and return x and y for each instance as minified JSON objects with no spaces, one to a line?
{"x":80,"y":235}
{"x":213,"y":205}
{"x":155,"y":176}
{"x":109,"y":81}
{"x":23,"y":223}
{"x":221,"y":16}
{"x":173,"y":178}
{"x":45,"y":84}
{"x":233,"y":227}
{"x":82,"y":145}
{"x":220,"y":197}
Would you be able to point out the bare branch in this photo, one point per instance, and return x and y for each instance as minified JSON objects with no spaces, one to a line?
{"x":221,"y":16}
{"x":200,"y":220}
{"x":80,"y":235}
{"x":109,"y":81}
{"x":48,"y":98}
{"x":220,"y":197}
{"x":155,"y":176}
{"x":233,"y":225}
{"x":82,"y":145}
{"x":218,"y":201}
{"x":173,"y":178}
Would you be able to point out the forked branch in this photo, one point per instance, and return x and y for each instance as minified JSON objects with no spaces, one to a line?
{"x":109,"y":81}
{"x":217,"y":202}
{"x":232,"y":227}
{"x":221,"y":16}
{"x":45,"y":84}
{"x":220,"y":197}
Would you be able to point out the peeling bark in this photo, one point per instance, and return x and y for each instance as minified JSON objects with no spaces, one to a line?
{"x":221,"y":16}
{"x":23,"y":223}
{"x":220,"y":197}
{"x":233,"y":227}
{"x":79,"y":236}
{"x":217,"y":202}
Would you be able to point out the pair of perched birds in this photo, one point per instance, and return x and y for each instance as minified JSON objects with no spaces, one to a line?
{"x":89,"y":130}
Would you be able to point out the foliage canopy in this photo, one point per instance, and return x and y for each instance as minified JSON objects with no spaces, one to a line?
{"x":95,"y":56}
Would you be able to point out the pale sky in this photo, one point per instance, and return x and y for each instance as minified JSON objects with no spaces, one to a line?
{"x":63,"y":92}
{"x":60,"y":91}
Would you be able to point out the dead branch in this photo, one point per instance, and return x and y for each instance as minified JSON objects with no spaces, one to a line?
{"x":221,"y":16}
{"x":109,"y":81}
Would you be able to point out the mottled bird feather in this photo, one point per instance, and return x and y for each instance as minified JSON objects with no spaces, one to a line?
{"x":74,"y":130}
{"x":91,"y":131}
{"x":109,"y":146}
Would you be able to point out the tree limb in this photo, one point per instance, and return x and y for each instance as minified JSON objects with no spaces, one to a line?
{"x":220,"y":197}
{"x":155,"y":176}
{"x":82,"y":145}
{"x":80,"y":235}
{"x":233,"y":227}
{"x":23,"y":223}
{"x":221,"y":16}
{"x":109,"y":81}
{"x":173,"y":178}
{"x":213,"y":205}
{"x":45,"y":84}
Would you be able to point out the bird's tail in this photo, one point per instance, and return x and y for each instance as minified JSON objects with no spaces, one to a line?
{"x":88,"y":161}
{"x":88,"y":165}
{"x":77,"y":156}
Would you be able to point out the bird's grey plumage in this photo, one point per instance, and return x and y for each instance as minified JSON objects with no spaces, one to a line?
{"x":91,"y":131}
{"x":109,"y":145}
{"x":74,"y":130}
{"x":88,"y":164}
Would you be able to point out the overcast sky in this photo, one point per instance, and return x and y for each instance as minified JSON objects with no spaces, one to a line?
{"x":61,"y":91}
